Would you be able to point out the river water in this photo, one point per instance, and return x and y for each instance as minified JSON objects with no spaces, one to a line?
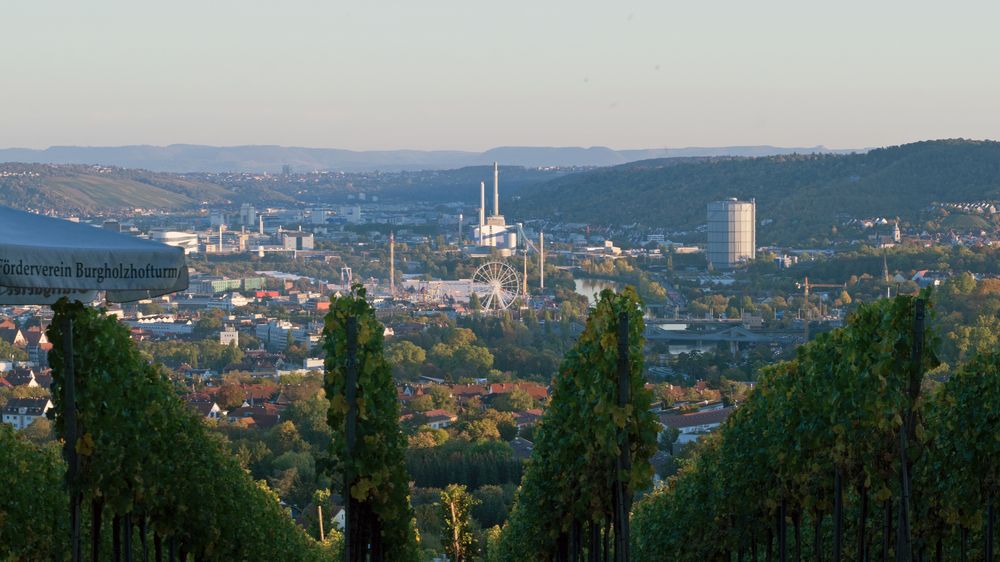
{"x":591,"y":288}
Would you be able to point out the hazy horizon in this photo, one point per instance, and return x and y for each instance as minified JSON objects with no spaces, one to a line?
{"x":451,"y":75}
{"x":452,"y":149}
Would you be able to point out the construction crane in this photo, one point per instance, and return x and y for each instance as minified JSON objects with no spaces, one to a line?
{"x":805,"y":286}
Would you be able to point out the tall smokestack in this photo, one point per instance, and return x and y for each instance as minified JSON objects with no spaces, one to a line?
{"x":496,"y":189}
{"x":541,"y":259}
{"x":482,"y":210}
{"x":392,"y":264}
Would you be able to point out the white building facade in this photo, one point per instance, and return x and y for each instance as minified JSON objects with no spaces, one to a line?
{"x":732,"y":233}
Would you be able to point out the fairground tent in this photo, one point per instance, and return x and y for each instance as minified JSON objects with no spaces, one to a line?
{"x":43,"y":259}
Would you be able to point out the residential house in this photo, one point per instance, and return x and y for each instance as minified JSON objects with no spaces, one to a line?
{"x":926,"y":278}
{"x":206,"y":408}
{"x":263,"y":416}
{"x":528,"y":417}
{"x":440,"y":419}
{"x":692,"y":426}
{"x":23,"y":377}
{"x":20,"y":412}
{"x":522,"y":448}
{"x":37,"y":345}
{"x":12,"y":335}
{"x":536,"y":391}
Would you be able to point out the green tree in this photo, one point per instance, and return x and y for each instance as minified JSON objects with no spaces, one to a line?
{"x":493,"y":504}
{"x":422,"y":404}
{"x":442,"y":396}
{"x":209,"y":323}
{"x":230,"y":396}
{"x":160,"y":461}
{"x":568,"y":490}
{"x":405,"y":357}
{"x":517,"y":400}
{"x":12,"y":352}
{"x":33,"y":521}
{"x":667,"y":438}
{"x":374,"y":472}
{"x":456,"y":505}
{"x":481,"y":430}
{"x":39,"y":432}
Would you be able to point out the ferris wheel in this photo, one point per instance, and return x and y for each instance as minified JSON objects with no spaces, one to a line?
{"x":497,"y":285}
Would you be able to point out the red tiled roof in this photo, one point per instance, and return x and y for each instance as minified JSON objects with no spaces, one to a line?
{"x":468,"y":390}
{"x":528,"y":416}
{"x":266,"y":421}
{"x":680,"y":421}
{"x":439,"y":415}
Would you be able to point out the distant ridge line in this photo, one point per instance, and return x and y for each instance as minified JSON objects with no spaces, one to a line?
{"x":180,"y":158}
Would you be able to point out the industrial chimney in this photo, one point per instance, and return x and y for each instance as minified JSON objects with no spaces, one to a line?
{"x":392,"y":264}
{"x":482,"y":210}
{"x":541,"y":259}
{"x":496,"y":189}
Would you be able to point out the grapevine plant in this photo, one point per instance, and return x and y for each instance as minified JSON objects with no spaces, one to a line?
{"x":833,"y":427}
{"x":378,"y":483}
{"x":565,"y":505}
{"x":147,"y":460}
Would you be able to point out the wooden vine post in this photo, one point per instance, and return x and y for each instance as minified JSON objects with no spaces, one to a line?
{"x":907,"y":435}
{"x":623,"y":495}
{"x":72,"y":459}
{"x":353,"y":547}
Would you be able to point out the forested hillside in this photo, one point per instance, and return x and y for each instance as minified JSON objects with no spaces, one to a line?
{"x":90,"y":188}
{"x":805,"y":195}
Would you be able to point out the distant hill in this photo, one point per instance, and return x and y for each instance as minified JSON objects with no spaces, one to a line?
{"x":805,"y":195}
{"x":197,"y":158}
{"x":90,"y":188}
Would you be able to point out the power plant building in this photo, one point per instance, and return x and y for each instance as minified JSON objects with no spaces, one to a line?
{"x":732,"y":233}
{"x":493,"y":231}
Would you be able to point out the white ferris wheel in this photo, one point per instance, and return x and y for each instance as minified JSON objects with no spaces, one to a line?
{"x":497,"y":285}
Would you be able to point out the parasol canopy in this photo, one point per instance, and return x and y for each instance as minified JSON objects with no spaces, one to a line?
{"x":43,"y":259}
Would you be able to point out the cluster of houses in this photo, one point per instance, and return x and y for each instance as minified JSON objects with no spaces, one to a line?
{"x":481,"y":395}
{"x":31,"y":339}
{"x":691,"y":419}
{"x":261,"y":408}
{"x":21,"y":412}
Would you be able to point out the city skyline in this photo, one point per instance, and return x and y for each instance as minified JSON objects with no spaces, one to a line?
{"x":447,"y":75}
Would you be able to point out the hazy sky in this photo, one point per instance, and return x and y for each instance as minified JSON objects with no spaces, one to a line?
{"x":466,"y":74}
